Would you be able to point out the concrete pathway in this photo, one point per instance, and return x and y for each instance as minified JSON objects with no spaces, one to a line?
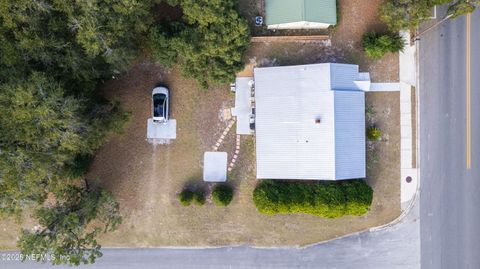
{"x":408,"y":168}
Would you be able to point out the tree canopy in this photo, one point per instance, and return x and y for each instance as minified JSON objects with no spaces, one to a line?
{"x":53,"y":54}
{"x":78,"y":41}
{"x":409,"y":14}
{"x":64,"y":230}
{"x":208,"y":43}
{"x":41,"y":130}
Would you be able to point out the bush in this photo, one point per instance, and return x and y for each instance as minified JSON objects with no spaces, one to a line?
{"x":377,"y":45}
{"x":222,"y":195}
{"x":199,"y":197}
{"x":325,"y":199}
{"x":374,"y":134}
{"x":185,"y":197}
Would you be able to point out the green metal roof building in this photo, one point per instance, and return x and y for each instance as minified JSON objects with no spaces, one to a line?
{"x":300,"y":14}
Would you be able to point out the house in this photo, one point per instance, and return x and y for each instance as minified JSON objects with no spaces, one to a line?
{"x":310,"y":121}
{"x":300,"y":14}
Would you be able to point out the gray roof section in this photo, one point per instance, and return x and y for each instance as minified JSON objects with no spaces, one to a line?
{"x":349,"y":134}
{"x":289,"y":143}
{"x":287,"y":11}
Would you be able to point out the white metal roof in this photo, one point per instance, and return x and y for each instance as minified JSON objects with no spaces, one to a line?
{"x":289,"y":142}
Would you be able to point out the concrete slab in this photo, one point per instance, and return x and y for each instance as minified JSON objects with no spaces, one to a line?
{"x":161,"y":132}
{"x":215,"y":166}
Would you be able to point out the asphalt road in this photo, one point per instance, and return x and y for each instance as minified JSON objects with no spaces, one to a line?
{"x":394,"y":247}
{"x":450,"y":193}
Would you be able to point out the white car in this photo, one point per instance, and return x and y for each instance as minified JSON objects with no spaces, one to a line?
{"x":160,"y":100}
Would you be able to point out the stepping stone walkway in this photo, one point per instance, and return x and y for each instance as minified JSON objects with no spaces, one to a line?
{"x":235,"y":155}
{"x":237,"y":144}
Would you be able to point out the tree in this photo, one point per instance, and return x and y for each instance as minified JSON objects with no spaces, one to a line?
{"x":377,"y":45}
{"x":404,"y":14}
{"x":210,"y":46}
{"x":53,"y":54}
{"x":41,"y":129}
{"x":462,"y":7}
{"x":409,"y":14}
{"x":67,"y":231}
{"x":79,"y":42}
{"x":44,"y":131}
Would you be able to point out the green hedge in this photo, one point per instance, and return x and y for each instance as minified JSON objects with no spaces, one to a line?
{"x":325,"y":199}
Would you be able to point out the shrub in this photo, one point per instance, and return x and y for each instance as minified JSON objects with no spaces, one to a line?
{"x":185,"y":197}
{"x":222,"y":195}
{"x":377,"y":45}
{"x":374,"y":134}
{"x":199,"y":197}
{"x":325,"y":199}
